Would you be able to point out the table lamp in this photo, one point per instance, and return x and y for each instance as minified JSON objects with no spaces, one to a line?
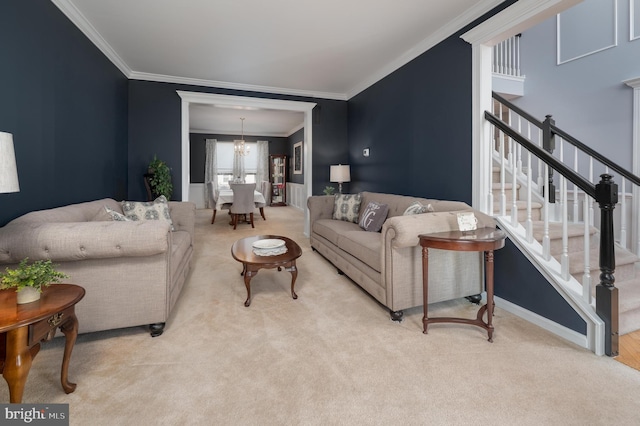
{"x":8,"y":169}
{"x":340,"y":173}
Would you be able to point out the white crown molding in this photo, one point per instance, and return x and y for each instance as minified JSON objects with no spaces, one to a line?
{"x":92,"y":34}
{"x":479,"y":9}
{"x":514,"y":20}
{"x":560,"y":61}
{"x":231,"y":133}
{"x":236,"y":86}
{"x":633,"y":82}
{"x":295,"y":129}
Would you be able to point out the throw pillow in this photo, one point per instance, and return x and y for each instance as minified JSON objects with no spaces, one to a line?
{"x":114,"y":215}
{"x":374,"y":216}
{"x":102,"y":215}
{"x":157,"y":209}
{"x":347,"y":207}
{"x":417,"y":208}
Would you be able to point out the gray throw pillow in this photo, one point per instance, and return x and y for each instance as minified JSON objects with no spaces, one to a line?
{"x":347,"y":207}
{"x":374,"y":216}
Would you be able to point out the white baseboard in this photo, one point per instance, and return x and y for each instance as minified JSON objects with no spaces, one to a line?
{"x":545,"y":323}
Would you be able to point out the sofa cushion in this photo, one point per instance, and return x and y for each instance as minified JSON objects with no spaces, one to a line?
{"x":332,"y":229}
{"x":418,"y":208}
{"x":347,"y":207}
{"x":365,"y":246}
{"x":373,"y":216}
{"x":157,"y":209}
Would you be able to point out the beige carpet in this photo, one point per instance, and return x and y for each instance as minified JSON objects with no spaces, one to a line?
{"x":332,"y":357}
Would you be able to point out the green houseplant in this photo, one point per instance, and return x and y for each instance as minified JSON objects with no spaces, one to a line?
{"x":328,"y":190}
{"x":159,"y":178}
{"x":29,"y":279}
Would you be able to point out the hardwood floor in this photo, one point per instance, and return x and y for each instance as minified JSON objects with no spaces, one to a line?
{"x":629,"y":350}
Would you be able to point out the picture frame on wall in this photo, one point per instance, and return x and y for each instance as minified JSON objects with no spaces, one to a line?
{"x":297,"y":158}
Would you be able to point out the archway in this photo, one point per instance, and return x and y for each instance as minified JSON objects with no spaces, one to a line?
{"x":248,"y":102}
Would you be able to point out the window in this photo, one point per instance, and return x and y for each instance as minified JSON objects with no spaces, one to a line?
{"x":224,"y":163}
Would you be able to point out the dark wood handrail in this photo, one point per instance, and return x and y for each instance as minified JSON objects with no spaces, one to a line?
{"x":550,"y":160}
{"x":604,"y":160}
{"x":522,"y":113}
{"x":572,"y":140}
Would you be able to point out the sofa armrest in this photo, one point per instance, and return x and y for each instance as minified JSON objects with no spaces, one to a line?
{"x":403,"y":231}
{"x":183,"y":216}
{"x":82,"y":240}
{"x":320,"y":207}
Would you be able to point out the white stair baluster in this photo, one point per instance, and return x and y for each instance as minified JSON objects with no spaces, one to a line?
{"x":564,"y":257}
{"x":586,"y":277}
{"x":623,"y":215}
{"x":546,"y":242}
{"x":575,"y":187}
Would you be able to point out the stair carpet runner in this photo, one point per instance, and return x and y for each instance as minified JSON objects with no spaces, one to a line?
{"x":627,"y":272}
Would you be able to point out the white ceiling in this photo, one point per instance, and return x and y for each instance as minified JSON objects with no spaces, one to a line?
{"x":329,"y":48}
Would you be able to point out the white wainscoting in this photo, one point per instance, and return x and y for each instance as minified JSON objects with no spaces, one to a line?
{"x":196,"y":194}
{"x":295,"y":195}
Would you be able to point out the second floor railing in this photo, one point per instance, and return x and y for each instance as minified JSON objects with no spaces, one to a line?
{"x":506,"y":57}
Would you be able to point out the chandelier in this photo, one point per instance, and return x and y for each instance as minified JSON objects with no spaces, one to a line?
{"x":239,"y":147}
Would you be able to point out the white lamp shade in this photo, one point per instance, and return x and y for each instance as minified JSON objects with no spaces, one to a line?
{"x":8,"y":169}
{"x":340,"y":173}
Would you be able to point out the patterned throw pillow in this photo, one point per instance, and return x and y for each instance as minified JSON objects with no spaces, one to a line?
{"x":157,"y":209}
{"x":116,"y":216}
{"x":374,"y":216}
{"x":417,"y":208}
{"x":347,"y":207}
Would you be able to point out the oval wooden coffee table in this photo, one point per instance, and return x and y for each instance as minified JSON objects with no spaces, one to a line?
{"x":242,"y":251}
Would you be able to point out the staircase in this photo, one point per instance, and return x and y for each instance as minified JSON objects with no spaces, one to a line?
{"x":627,"y":272}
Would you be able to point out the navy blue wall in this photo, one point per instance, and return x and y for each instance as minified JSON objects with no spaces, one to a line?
{"x":417,"y":124}
{"x":65,"y":104}
{"x":155,"y":123}
{"x":197,"y":153}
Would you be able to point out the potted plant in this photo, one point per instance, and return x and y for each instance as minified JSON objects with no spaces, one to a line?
{"x":159,"y":178}
{"x":328,"y":190}
{"x":29,"y":279}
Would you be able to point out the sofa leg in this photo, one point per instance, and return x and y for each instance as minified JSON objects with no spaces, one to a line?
{"x":396,"y":315}
{"x":476,"y":298}
{"x":156,"y":329}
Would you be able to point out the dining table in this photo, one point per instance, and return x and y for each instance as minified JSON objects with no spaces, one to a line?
{"x":225,"y":199}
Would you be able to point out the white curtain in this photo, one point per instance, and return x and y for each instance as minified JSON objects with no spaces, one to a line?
{"x":238,"y":167}
{"x":210,"y":170}
{"x":262,"y":169}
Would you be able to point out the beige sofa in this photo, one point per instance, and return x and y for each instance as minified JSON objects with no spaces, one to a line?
{"x":133,"y":272}
{"x":388,"y":264}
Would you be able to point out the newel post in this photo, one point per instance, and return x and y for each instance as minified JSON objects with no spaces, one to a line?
{"x":606,"y":291}
{"x":549,"y":145}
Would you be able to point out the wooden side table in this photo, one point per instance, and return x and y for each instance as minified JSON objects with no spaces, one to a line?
{"x":23,"y":327}
{"x":484,"y":239}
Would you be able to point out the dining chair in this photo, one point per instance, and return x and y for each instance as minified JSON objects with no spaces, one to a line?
{"x":243,"y":203}
{"x":212,"y":193}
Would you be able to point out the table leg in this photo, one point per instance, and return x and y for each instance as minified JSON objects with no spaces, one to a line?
{"x":425,"y":288}
{"x":294,"y":275}
{"x":248,"y":274}
{"x":262,"y":213}
{"x":70,"y":330}
{"x":17,"y":363}
{"x":488,"y":256}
